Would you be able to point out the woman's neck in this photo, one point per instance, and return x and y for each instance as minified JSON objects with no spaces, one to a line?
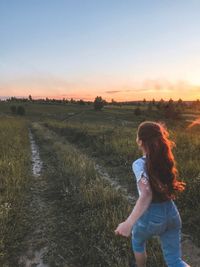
{"x":143,"y":153}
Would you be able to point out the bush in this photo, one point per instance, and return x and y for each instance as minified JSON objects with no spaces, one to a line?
{"x":137,"y":111}
{"x":98,"y":103}
{"x":20,"y":110}
{"x":13,"y":109}
{"x":81,"y":102}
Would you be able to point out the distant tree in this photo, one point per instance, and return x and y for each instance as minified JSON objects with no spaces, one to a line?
{"x":72,"y":101}
{"x":13,"y":109}
{"x":160,"y":104}
{"x":171,"y":102}
{"x":64,"y":100}
{"x":113,"y":102}
{"x":180,"y":101}
{"x":180,"y":104}
{"x":24,"y":99}
{"x":81,"y":102}
{"x":196,"y":104}
{"x":98,"y":103}
{"x":30,"y":98}
{"x":20,"y":110}
{"x":153,"y":101}
{"x":137,"y":111}
{"x":144,"y":101}
{"x":13,"y":98}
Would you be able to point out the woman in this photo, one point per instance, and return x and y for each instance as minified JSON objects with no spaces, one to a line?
{"x":155,"y":212}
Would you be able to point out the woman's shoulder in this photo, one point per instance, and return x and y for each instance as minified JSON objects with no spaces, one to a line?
{"x":139,"y":162}
{"x":139,"y":168}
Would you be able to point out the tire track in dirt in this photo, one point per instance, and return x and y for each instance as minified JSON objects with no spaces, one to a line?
{"x":34,"y":256}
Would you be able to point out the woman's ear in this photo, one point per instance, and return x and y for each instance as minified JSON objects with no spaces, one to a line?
{"x":140,"y":142}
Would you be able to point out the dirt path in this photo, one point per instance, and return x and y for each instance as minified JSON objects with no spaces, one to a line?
{"x":35,"y":252}
{"x":104,"y":174}
{"x":36,"y":160}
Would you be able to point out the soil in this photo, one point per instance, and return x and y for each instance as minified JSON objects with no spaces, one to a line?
{"x":33,"y":257}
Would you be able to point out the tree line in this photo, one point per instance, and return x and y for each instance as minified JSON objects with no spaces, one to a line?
{"x":169,"y":109}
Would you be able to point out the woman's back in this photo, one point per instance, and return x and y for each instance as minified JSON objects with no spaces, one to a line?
{"x":139,"y":167}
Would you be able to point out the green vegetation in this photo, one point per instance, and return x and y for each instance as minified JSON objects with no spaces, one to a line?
{"x":116,"y":147}
{"x":14,"y":178}
{"x":83,"y":209}
{"x":18,"y":110}
{"x":98,"y":103}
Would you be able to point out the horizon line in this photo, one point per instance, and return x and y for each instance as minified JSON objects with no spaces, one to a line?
{"x":86,"y":99}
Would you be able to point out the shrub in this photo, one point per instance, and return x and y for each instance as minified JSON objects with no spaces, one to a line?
{"x":81,"y":102}
{"x":137,"y":111}
{"x":13,"y":109}
{"x":98,"y":103}
{"x":20,"y":110}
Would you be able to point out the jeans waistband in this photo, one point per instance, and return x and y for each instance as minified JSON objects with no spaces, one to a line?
{"x":162,"y":207}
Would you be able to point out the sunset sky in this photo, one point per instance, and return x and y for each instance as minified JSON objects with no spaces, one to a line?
{"x":125,"y":50}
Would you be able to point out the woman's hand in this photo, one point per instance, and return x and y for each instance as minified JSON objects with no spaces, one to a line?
{"x":124,"y":229}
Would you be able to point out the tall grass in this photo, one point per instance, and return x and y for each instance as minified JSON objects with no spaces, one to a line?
{"x":117,"y":147}
{"x":188,"y":158}
{"x":14,"y":177}
{"x":91,"y":209}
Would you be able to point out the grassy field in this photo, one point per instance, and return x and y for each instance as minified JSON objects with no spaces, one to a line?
{"x":84,"y":209}
{"x":15,"y":171}
{"x":107,"y":144}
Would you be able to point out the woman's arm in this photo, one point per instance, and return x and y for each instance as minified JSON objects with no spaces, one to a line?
{"x":140,"y":207}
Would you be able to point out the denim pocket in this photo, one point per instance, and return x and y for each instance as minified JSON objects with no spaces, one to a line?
{"x":155,"y":228}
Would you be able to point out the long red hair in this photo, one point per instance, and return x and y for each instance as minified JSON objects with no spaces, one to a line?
{"x":161,"y":165}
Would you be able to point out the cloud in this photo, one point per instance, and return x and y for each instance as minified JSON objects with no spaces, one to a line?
{"x":113,"y":92}
{"x":145,"y":86}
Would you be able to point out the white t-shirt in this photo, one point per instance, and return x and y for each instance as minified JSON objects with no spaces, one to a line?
{"x":139,"y":170}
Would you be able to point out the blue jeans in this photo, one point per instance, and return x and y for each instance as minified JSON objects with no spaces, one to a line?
{"x":163,"y":220}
